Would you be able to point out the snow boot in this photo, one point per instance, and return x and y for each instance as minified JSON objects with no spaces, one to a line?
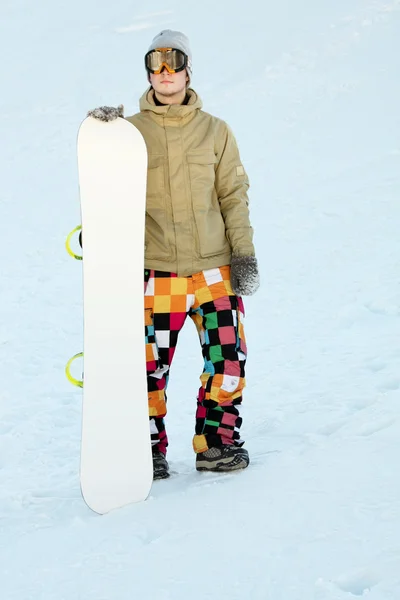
{"x":160,"y":465}
{"x":222,"y":458}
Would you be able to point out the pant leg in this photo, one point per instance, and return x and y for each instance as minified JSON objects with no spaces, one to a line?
{"x":218,"y":313}
{"x":166,"y":306}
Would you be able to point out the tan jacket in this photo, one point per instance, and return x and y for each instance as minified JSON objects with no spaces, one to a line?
{"x":197,"y":205}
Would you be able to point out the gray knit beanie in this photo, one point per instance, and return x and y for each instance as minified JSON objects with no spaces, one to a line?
{"x":174,"y":39}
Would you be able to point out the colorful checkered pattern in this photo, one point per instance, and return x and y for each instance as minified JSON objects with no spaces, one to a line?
{"x":207,"y":297}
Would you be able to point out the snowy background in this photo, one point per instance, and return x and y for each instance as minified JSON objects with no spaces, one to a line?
{"x":312,"y":92}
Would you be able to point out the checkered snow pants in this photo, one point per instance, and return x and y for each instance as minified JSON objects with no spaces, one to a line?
{"x":207,"y":297}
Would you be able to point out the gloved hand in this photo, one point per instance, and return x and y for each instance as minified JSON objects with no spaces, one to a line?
{"x":107,"y":113}
{"x":245,"y":278}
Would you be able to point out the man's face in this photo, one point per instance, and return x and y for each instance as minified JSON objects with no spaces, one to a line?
{"x":168,"y":84}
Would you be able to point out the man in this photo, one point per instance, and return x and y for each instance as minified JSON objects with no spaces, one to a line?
{"x":199,"y":255}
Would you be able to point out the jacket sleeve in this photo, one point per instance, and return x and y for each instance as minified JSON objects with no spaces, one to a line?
{"x":232,"y":183}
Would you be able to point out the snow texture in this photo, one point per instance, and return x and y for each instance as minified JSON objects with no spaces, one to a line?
{"x":312,"y":93}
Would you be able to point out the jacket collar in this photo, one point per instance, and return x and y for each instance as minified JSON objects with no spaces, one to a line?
{"x":171,"y":115}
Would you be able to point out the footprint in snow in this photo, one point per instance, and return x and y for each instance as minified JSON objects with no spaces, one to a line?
{"x":355,"y":584}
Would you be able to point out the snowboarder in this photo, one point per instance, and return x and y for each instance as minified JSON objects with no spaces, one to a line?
{"x":199,"y":255}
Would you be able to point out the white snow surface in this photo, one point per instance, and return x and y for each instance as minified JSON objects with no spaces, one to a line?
{"x":312,"y":92}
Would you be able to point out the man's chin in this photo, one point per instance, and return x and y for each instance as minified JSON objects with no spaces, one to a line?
{"x":167,"y":92}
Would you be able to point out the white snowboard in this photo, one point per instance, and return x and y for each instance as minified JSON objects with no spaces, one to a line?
{"x":116,"y":461}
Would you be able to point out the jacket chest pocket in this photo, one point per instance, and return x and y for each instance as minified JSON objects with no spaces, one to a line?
{"x":155,"y":177}
{"x":211,"y":235}
{"x":202,"y":171}
{"x":157,"y":243}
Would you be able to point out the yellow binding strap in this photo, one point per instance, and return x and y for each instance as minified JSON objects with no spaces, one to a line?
{"x":77,"y":382}
{"x":68,"y":240}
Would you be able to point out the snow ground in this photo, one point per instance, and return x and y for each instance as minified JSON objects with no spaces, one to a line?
{"x":312,"y":94}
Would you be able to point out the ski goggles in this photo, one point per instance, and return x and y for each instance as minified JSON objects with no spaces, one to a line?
{"x":172,"y":59}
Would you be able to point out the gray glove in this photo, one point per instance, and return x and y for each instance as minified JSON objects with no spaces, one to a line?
{"x":107,"y":113}
{"x":245,"y":278}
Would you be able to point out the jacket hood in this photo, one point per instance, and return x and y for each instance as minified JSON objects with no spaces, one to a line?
{"x":177,"y":111}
